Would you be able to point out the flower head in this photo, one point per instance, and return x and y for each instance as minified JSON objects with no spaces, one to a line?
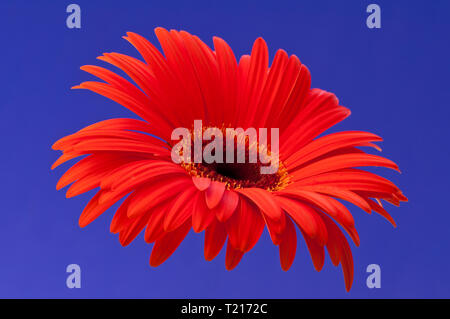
{"x":232,"y":202}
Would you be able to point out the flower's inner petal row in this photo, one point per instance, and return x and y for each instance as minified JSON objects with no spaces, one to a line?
{"x":202,"y":216}
{"x":232,"y":202}
{"x":339,"y":250}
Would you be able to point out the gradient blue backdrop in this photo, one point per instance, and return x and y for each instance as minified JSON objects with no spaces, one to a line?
{"x":395,"y":81}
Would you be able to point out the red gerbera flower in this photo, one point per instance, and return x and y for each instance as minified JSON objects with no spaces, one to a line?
{"x":235,"y":202}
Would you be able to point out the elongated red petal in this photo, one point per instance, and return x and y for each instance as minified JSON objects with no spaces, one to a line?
{"x":342,"y":161}
{"x":94,"y":209}
{"x":155,"y":225}
{"x":339,"y":251}
{"x":245,"y":226}
{"x":264,"y":201}
{"x":301,"y":214}
{"x":288,"y":245}
{"x":331,"y":207}
{"x":215,"y":237}
{"x":155,"y":193}
{"x":133,"y":227}
{"x":233,"y":257}
{"x":227,"y":205}
{"x":329,"y":143}
{"x":180,"y":211}
{"x":316,"y":251}
{"x":167,"y":245}
{"x":202,"y":216}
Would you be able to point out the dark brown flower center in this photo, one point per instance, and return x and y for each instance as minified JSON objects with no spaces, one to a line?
{"x":239,"y":175}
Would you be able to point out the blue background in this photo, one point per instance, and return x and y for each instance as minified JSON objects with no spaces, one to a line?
{"x":394,"y":79}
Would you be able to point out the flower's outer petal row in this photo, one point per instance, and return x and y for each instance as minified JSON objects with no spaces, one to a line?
{"x":233,"y":256}
{"x":288,"y":245}
{"x":339,"y":250}
{"x":330,"y":206}
{"x":165,"y":246}
{"x":215,"y":237}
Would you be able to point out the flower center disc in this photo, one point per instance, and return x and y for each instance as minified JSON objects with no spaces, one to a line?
{"x":239,"y":175}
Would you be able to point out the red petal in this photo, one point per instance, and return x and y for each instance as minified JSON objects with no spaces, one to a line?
{"x":380,"y":210}
{"x":202,"y":216}
{"x":245,"y":226}
{"x":155,"y":193}
{"x":316,"y":250}
{"x":227,"y":205}
{"x":202,"y":183}
{"x":328,"y":143}
{"x":274,"y":230}
{"x":133,"y":228}
{"x":339,"y":250}
{"x":94,"y":209}
{"x":120,"y":217}
{"x":167,"y":245}
{"x":340,"y":162}
{"x":288,"y":245}
{"x":257,"y":75}
{"x":215,"y":237}
{"x":264,"y":200}
{"x":302,"y":214}
{"x":233,"y":257}
{"x":330,"y":206}
{"x":180,"y":211}
{"x":227,"y":65}
{"x":155,"y":224}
